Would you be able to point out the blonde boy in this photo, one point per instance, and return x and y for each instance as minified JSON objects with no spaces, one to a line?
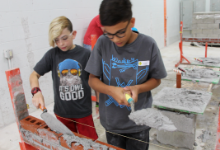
{"x":72,"y":94}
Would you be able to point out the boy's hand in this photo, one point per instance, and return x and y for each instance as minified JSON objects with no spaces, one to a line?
{"x":118,"y":93}
{"x":38,"y":99}
{"x":134,"y":92}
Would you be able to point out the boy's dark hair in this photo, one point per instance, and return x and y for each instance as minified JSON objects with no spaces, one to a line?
{"x":114,"y":11}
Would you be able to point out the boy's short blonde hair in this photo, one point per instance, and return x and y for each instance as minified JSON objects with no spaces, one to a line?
{"x":57,"y":26}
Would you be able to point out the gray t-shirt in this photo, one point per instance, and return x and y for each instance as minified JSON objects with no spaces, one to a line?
{"x":72,"y":94}
{"x":132,"y":64}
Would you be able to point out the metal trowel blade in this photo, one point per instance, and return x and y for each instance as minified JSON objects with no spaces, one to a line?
{"x":55,"y":124}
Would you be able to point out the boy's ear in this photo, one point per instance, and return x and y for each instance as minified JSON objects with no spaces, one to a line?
{"x":132,"y":22}
{"x":74,"y":34}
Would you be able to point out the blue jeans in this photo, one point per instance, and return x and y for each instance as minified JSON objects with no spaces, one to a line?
{"x":89,"y":47}
{"x":127,"y":143}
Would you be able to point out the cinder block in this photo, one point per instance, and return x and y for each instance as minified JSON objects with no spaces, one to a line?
{"x":216,"y":31}
{"x":213,"y":26}
{"x":197,"y":31}
{"x":201,"y":35}
{"x":46,"y":133}
{"x":194,"y":21}
{"x":202,"y":26}
{"x":207,"y":31}
{"x":213,"y":35}
{"x":177,"y":139}
{"x":198,"y":21}
{"x":194,"y":26}
{"x":193,"y":35}
{"x":194,"y":16}
{"x":184,"y":122}
{"x":32,"y":124}
{"x":184,"y":136}
{"x":209,"y":20}
{"x":217,"y":21}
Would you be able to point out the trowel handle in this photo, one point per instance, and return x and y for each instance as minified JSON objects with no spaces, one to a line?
{"x":43,"y":109}
{"x":128,"y":98}
{"x":181,"y":69}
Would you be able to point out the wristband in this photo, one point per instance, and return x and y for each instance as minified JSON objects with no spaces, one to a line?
{"x":35,"y":90}
{"x":97,"y":104}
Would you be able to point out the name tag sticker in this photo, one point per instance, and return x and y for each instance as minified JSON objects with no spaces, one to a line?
{"x":144,"y":63}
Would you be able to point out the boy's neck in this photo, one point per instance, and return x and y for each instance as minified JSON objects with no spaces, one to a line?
{"x":72,"y":47}
{"x":132,"y":38}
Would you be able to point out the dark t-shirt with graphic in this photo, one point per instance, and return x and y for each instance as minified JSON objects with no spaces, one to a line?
{"x":72,"y":94}
{"x":132,"y":64}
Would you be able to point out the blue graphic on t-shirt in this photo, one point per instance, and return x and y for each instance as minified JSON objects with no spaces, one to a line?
{"x":125,"y":70}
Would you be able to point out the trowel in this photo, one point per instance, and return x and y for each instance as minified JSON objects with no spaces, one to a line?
{"x":54,"y":124}
{"x":160,"y":121}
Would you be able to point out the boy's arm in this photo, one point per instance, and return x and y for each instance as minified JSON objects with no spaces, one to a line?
{"x":141,"y":88}
{"x":38,"y":97}
{"x":117,"y":93}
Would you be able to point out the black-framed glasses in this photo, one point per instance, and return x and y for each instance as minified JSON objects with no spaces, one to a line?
{"x":119,"y":34}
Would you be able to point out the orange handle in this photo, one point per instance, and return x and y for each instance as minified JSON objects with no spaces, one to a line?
{"x":43,"y":109}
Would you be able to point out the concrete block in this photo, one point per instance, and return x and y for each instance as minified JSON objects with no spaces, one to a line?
{"x":197,"y":31}
{"x":217,"y":21}
{"x":207,"y":31}
{"x":177,"y":139}
{"x":194,"y":26}
{"x":194,"y":21}
{"x":201,"y":35}
{"x":193,"y":35}
{"x":202,"y":26}
{"x":185,"y":134}
{"x":213,"y":26}
{"x":199,"y":21}
{"x":216,"y":31}
{"x":183,"y":122}
{"x":212,"y":35}
{"x":194,"y":16}
{"x":209,"y":20}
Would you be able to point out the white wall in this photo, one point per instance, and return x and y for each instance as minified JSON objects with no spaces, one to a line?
{"x":173,"y":21}
{"x":24,"y":29}
{"x":149,"y":16}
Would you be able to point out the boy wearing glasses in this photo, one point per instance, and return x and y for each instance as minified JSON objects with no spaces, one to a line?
{"x":127,"y":62}
{"x":72,"y":94}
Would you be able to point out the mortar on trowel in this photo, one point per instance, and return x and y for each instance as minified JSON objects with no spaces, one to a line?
{"x":150,"y":117}
{"x":54,"y":124}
